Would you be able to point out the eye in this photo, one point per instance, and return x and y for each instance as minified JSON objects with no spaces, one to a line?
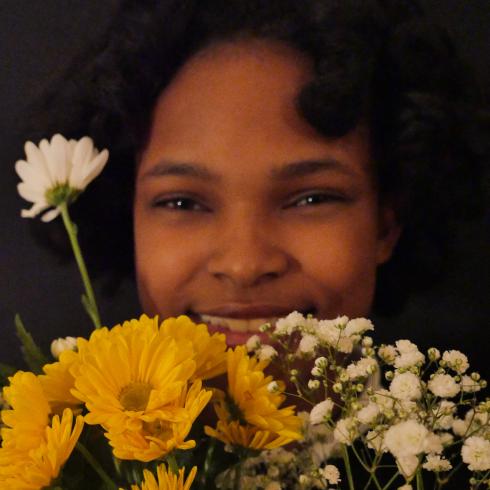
{"x":179,"y":203}
{"x":317,"y":198}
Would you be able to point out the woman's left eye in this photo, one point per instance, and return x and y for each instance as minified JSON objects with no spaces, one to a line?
{"x":316,"y":198}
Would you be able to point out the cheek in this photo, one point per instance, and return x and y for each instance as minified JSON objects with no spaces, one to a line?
{"x":163,"y":261}
{"x":342,"y":261}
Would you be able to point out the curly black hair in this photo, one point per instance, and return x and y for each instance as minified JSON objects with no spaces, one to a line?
{"x":377,"y":62}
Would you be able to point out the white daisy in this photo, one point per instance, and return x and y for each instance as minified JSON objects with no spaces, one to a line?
{"x":56,"y":172}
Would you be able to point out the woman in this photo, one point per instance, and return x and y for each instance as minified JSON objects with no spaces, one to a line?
{"x":282,"y":155}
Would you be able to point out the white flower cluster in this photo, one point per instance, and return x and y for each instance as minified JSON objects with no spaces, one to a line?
{"x":414,"y":419}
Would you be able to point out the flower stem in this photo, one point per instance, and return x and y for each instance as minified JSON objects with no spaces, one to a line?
{"x":420,"y":481}
{"x":88,"y":299}
{"x":345,"y":455}
{"x":96,"y":466}
{"x":172,"y":464}
{"x":238,"y":476}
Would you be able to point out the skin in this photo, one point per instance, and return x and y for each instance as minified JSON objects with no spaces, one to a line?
{"x":241,"y":208}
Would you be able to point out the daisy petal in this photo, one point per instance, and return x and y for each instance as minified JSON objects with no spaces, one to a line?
{"x":50,"y":215}
{"x":95,"y":167}
{"x":36,"y":208}
{"x":36,"y":158}
{"x":60,"y":157}
{"x":30,"y":193}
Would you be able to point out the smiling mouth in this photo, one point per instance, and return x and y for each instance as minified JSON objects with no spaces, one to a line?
{"x":245,"y":324}
{"x":237,"y":324}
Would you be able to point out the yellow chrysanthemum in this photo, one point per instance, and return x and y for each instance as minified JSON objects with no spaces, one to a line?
{"x":28,"y":418}
{"x":249,"y":415}
{"x":134,"y":381}
{"x":38,"y":467}
{"x":32,"y":451}
{"x":131,"y":375}
{"x":210,"y":350}
{"x":58,"y":381}
{"x":160,"y":437}
{"x":166,"y":480}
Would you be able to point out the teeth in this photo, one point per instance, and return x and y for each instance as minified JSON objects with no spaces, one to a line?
{"x":236,"y":324}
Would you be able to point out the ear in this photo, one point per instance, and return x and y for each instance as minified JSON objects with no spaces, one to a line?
{"x":389,"y":232}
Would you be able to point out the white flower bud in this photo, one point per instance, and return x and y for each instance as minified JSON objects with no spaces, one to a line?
{"x":313,"y":384}
{"x":434,"y":354}
{"x":253,"y":343}
{"x":265,"y":327}
{"x":266,"y":352}
{"x":61,"y":344}
{"x":367,"y":341}
{"x":273,"y":387}
{"x":304,"y":479}
{"x":316,"y":371}
{"x":321,"y":362}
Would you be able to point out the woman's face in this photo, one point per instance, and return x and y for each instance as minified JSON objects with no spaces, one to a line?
{"x":242,"y":211}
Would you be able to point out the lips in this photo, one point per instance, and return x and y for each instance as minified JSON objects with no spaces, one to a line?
{"x":239,"y":321}
{"x":237,"y":324}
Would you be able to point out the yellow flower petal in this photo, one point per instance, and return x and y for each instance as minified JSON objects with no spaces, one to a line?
{"x":249,"y":415}
{"x":210,"y":350}
{"x":166,"y":480}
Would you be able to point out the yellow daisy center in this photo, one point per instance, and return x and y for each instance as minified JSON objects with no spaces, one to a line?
{"x":135,"y":396}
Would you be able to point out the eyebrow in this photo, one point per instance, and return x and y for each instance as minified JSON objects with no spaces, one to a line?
{"x":304,"y":168}
{"x":180,"y":169}
{"x":290,"y":171}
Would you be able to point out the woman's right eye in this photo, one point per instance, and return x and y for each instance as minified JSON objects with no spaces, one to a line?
{"x":179,"y":204}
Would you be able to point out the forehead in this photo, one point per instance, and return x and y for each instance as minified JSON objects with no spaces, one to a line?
{"x":238,"y":101}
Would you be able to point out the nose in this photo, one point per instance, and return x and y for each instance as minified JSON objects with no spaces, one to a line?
{"x":247,"y":254}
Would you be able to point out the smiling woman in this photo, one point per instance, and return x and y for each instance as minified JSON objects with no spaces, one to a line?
{"x":272,"y":156}
{"x":275,"y":211}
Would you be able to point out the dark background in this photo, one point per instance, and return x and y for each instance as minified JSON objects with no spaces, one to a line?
{"x":37,"y":39}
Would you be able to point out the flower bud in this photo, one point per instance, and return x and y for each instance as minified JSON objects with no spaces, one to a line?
{"x":313,"y":384}
{"x":273,"y":387}
{"x":367,"y":341}
{"x":434,"y":354}
{"x":316,"y":371}
{"x":61,"y":344}
{"x":321,"y":362}
{"x":337,"y":387}
{"x":265,"y":327}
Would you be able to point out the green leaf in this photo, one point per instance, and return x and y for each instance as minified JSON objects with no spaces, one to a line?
{"x":32,"y":354}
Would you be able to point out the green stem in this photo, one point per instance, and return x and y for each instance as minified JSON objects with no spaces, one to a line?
{"x":89,"y":303}
{"x":238,"y":476}
{"x":392,"y":479}
{"x":172,"y":464}
{"x":96,"y":466}
{"x":345,"y":455}
{"x":420,"y":481}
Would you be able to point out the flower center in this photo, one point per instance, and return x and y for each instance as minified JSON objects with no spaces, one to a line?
{"x":61,"y":193}
{"x":135,"y":396}
{"x":234,"y":411}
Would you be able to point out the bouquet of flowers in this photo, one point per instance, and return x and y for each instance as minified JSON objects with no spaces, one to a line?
{"x":128,"y":408}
